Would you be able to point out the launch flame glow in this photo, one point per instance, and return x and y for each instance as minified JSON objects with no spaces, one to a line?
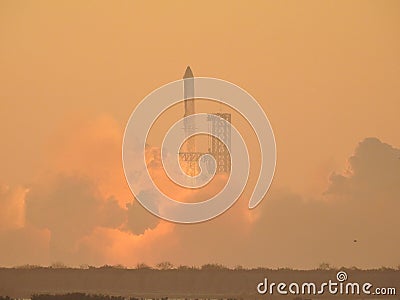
{"x":152,"y":106}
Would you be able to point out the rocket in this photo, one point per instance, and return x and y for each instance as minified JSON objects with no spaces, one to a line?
{"x":188,"y":95}
{"x":188,"y":91}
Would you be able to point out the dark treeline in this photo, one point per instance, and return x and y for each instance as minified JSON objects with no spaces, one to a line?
{"x":75,"y":296}
{"x":211,"y":266}
{"x":83,"y":296}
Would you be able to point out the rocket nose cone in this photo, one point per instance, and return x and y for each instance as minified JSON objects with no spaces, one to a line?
{"x":188,"y":73}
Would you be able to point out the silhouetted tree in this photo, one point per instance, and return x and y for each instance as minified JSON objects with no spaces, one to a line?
{"x":213,"y":267}
{"x":324,"y":266}
{"x":142,"y":266}
{"x":58,"y":265}
{"x":165,"y":265}
{"x":119,"y":266}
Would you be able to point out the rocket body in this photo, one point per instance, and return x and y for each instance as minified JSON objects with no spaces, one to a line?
{"x":188,"y":94}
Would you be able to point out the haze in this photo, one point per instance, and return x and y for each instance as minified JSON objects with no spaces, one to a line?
{"x":326,"y":73}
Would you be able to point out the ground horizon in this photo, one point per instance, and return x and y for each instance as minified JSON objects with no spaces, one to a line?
{"x":325,"y":73}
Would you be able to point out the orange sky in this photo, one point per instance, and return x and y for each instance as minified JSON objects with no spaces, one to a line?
{"x":327,"y":73}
